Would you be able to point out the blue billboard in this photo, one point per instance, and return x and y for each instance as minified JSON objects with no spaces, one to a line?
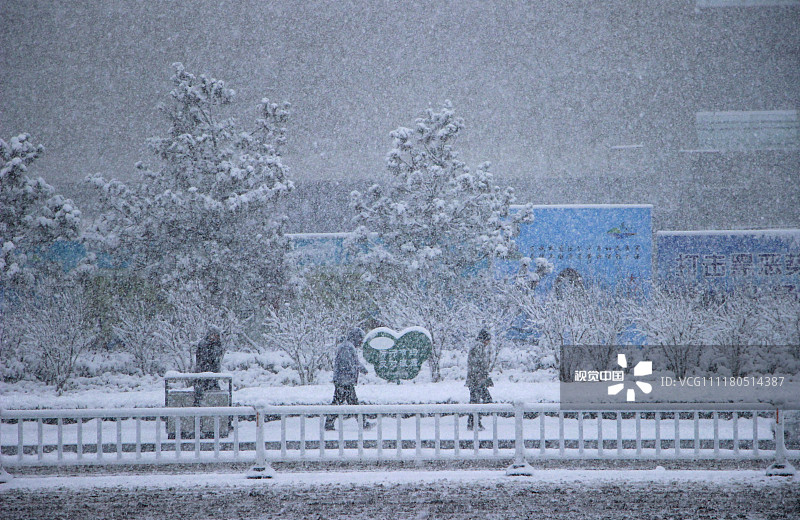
{"x":320,"y":249}
{"x":602,"y":244}
{"x":606,"y":245}
{"x":728,"y":260}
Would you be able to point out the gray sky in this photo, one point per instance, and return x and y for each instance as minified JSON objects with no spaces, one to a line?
{"x":547,"y":89}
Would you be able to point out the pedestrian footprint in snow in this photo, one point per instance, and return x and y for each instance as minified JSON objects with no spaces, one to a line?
{"x":346,"y":368}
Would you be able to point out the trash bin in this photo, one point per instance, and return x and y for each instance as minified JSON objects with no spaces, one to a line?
{"x":180,"y":392}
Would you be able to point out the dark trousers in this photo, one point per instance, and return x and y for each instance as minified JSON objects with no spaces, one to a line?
{"x":342,"y":394}
{"x":477,"y":395}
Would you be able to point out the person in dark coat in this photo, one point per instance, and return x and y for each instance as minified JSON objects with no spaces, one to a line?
{"x":478,"y":380}
{"x":208,"y":358}
{"x":346,"y":368}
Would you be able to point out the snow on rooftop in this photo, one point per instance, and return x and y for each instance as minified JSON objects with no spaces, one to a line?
{"x":787,"y":231}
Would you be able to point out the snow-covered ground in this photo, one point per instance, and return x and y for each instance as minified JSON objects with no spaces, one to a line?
{"x":553,"y":494}
{"x":377,"y":478}
{"x":150,"y":393}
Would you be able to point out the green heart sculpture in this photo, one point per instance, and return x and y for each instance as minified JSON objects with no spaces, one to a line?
{"x":397,"y":356}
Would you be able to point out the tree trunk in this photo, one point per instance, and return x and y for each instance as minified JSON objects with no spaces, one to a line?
{"x":433,"y":363}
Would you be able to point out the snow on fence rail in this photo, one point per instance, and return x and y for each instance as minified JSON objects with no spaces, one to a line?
{"x":382,"y":432}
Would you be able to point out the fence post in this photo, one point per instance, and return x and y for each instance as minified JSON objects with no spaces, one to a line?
{"x":781,"y":467}
{"x":4,"y":476}
{"x":519,"y":467}
{"x":261,"y":469}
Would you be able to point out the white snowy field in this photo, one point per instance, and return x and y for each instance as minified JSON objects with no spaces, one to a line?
{"x":149,"y":393}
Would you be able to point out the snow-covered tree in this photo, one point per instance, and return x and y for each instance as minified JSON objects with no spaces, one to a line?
{"x":328,"y":301}
{"x":183,"y":322}
{"x":676,"y":322}
{"x":530,"y":273}
{"x":138,"y":327}
{"x":117,"y":292}
{"x":57,"y":330}
{"x":734,"y":328}
{"x":338,"y":290}
{"x":431,"y":307}
{"x":209,"y":215}
{"x":32,"y":215}
{"x":13,"y":366}
{"x":306,"y":332}
{"x":755,"y":332}
{"x":781,"y":315}
{"x":432,"y":236}
{"x":577,"y":326}
{"x":438,"y":219}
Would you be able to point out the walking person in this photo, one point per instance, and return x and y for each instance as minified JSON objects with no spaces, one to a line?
{"x":346,"y":368}
{"x":208,"y":358}
{"x":478,"y":380}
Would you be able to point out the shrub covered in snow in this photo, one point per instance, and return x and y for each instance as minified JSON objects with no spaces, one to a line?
{"x":57,"y":330}
{"x":575,"y":316}
{"x":737,"y":334}
{"x":253,"y":369}
{"x":306,"y":331}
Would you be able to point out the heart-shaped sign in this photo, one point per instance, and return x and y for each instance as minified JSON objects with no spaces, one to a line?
{"x":397,"y":355}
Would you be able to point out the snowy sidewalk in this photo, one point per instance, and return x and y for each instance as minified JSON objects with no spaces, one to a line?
{"x":554,"y":494}
{"x":581,"y":478}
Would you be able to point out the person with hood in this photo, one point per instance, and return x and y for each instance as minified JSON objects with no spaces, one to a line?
{"x":346,"y":368}
{"x":478,"y":380}
{"x":208,"y":358}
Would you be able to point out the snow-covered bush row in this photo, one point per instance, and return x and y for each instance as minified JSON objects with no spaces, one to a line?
{"x":740,"y":335}
{"x":253,"y":369}
{"x":735,"y":334}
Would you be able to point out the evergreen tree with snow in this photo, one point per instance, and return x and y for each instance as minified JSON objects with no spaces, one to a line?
{"x":438,"y":219}
{"x":437,"y":229}
{"x":32,"y":217}
{"x":207,"y":218}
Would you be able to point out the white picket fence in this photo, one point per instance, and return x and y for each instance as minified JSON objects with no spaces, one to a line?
{"x":394,"y":432}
